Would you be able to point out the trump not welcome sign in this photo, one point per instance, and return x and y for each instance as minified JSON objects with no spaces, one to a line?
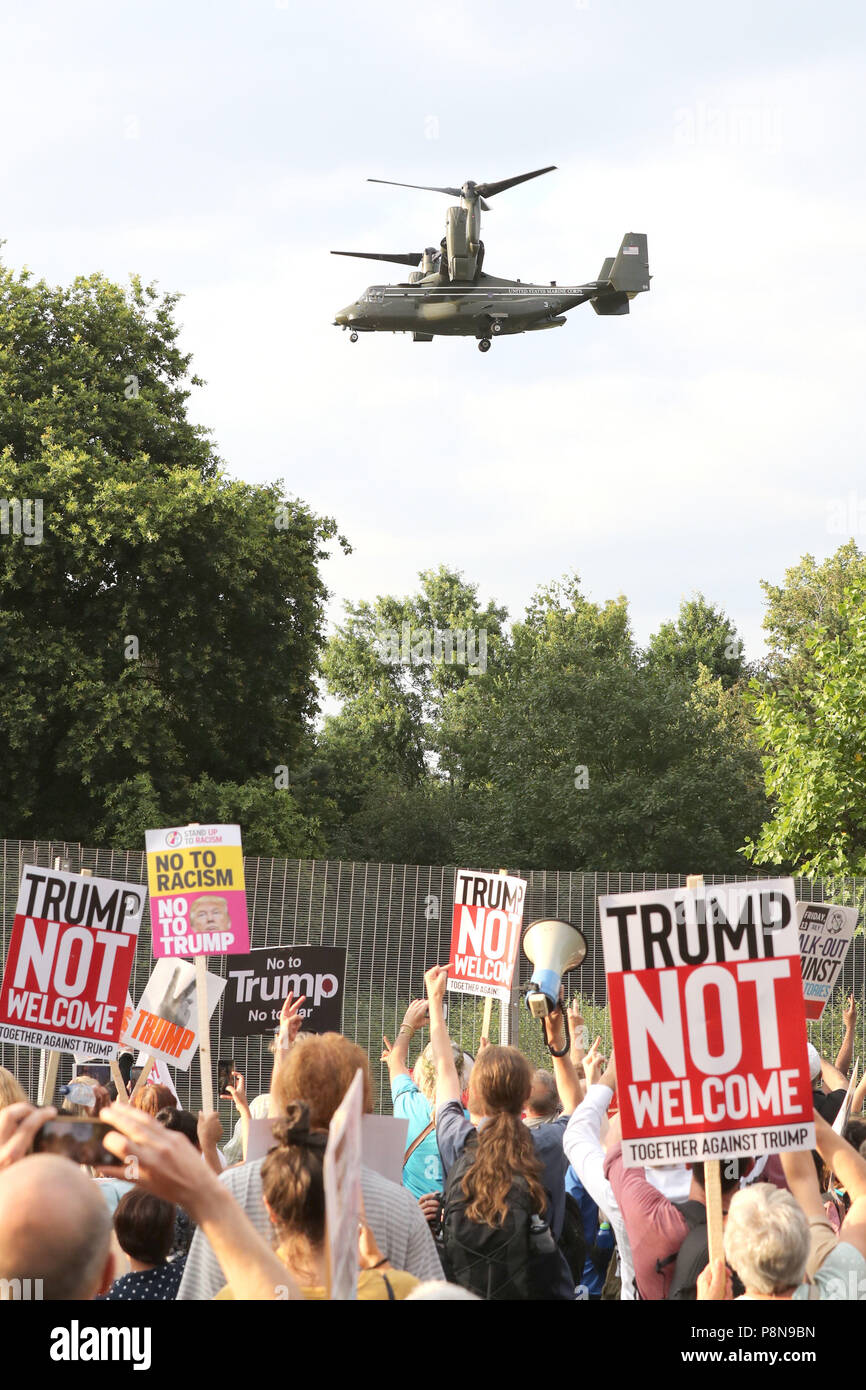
{"x":709,"y":1029}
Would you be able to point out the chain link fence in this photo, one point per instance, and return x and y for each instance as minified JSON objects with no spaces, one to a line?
{"x":394,"y":921}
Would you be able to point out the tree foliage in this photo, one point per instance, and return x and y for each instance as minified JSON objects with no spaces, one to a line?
{"x":158,"y":644}
{"x":702,"y":635}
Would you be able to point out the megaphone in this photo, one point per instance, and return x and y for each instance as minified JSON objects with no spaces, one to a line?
{"x":554,"y":947}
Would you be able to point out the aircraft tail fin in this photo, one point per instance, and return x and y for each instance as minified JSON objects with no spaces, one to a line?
{"x":627,"y":274}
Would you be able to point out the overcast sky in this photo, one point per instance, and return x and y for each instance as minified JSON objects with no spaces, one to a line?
{"x":705,"y":442}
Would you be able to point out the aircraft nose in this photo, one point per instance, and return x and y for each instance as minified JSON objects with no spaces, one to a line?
{"x":347,"y":316}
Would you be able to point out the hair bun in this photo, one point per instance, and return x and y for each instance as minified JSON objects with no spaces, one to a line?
{"x":294,"y":1127}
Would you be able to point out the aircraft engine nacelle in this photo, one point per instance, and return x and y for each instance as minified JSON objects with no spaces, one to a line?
{"x":461,"y":260}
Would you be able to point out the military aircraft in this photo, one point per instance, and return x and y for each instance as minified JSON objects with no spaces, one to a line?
{"x":449,"y":295}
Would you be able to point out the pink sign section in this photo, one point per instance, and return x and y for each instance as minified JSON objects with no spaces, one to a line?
{"x":198,"y":903}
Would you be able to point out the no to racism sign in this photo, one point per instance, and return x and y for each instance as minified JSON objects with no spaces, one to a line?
{"x":165,"y":1024}
{"x":198,"y":903}
{"x":706,"y":1003}
{"x":260,"y":981}
{"x":485,"y":933}
{"x":826,"y":932}
{"x":71,"y":953}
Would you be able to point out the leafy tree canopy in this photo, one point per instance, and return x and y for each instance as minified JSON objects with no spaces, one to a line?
{"x":159,"y":639}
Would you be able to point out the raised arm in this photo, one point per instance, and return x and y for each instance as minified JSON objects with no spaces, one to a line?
{"x":850,"y":1169}
{"x":833,"y":1079}
{"x":447,"y":1081}
{"x":568,"y":1083}
{"x":397,"y":1057}
{"x":802,"y":1179}
{"x":858,"y":1097}
{"x":846,"y":1051}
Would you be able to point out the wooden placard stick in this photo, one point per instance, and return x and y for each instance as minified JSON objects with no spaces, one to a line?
{"x":49,"y":1064}
{"x":117,"y":1078}
{"x":203,"y":1022}
{"x":203,"y":1018}
{"x":712,"y":1168}
{"x":142,"y":1080}
{"x":203,"y":1033}
{"x":487,"y":1016}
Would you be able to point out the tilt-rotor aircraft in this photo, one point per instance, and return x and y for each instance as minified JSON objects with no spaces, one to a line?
{"x":449,"y":295}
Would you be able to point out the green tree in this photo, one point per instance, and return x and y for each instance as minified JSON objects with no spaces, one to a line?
{"x":580,"y":756}
{"x":701,"y":636}
{"x":159,"y":640}
{"x":812,"y":734}
{"x":812,"y":597}
{"x":395,"y":664}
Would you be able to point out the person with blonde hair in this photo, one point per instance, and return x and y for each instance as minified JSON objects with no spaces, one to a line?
{"x":11,"y":1091}
{"x":499,"y":1227}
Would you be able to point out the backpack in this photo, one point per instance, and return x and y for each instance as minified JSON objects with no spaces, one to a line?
{"x":692,"y":1256}
{"x":518,"y":1260}
{"x":572,"y":1240}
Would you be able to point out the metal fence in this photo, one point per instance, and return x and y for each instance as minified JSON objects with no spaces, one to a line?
{"x":394,"y":921}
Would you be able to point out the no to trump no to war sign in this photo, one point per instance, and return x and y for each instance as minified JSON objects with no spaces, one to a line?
{"x":709,"y":1029}
{"x":165,"y":1024}
{"x":70,"y":957}
{"x":825,"y":932}
{"x":259,"y":982}
{"x":198,"y":903}
{"x":485,"y":933}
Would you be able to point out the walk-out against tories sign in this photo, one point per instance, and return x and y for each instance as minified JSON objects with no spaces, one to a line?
{"x":826,"y":931}
{"x":709,"y":1030}
{"x":71,"y":952}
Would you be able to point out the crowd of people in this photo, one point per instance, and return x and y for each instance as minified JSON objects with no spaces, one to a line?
{"x":513,"y":1186}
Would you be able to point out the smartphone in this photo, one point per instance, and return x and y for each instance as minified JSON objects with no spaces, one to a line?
{"x":76,"y":1137}
{"x":225,"y":1077}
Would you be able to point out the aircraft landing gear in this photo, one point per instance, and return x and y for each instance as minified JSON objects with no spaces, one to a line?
{"x":484,"y":345}
{"x":353,"y":337}
{"x":496,"y":326}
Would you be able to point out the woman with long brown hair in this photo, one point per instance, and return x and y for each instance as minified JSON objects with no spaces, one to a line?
{"x":500,"y":1190}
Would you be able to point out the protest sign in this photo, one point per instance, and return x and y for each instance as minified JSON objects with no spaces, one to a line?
{"x":165,"y":1024}
{"x":485,"y":933}
{"x":709,"y":1030}
{"x":341,"y":1171}
{"x":259,"y":982}
{"x":71,"y":952}
{"x":826,"y":931}
{"x":110,"y":1051}
{"x":198,"y":903}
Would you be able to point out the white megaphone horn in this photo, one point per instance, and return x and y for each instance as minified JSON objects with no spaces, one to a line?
{"x":554,"y":947}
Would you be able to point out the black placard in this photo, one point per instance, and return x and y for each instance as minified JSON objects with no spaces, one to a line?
{"x":258,"y":983}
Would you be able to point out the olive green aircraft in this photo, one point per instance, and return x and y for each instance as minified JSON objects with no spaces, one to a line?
{"x":449,"y":295}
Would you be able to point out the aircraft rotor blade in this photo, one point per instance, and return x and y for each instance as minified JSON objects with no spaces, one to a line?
{"x":489,"y":190}
{"x":428,"y":188}
{"x":410,"y":258}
